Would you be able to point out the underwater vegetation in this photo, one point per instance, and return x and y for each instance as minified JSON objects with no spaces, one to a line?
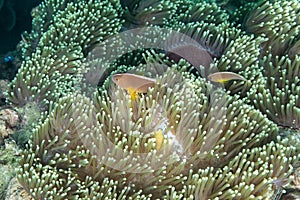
{"x":187,"y":135}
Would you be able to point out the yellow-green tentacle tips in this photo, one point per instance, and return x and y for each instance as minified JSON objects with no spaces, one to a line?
{"x":178,"y":136}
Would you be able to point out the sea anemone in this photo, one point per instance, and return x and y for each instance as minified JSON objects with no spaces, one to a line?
{"x":144,"y":13}
{"x":278,"y":97}
{"x":278,"y":92}
{"x":185,"y":137}
{"x":107,"y":146}
{"x":278,"y":21}
{"x":56,"y":62}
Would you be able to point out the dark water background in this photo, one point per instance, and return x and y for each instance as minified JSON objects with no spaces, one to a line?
{"x":15,"y":18}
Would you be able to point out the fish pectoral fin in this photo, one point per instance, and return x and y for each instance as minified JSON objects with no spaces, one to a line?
{"x":133,"y":93}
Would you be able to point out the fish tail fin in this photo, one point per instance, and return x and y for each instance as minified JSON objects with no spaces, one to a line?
{"x":159,"y":136}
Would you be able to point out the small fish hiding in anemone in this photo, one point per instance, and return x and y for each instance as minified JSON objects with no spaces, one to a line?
{"x":195,"y":55}
{"x":279,"y":184}
{"x":133,"y":83}
{"x":222,"y":77}
{"x":8,"y":59}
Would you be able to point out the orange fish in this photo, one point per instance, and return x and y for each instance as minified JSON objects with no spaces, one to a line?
{"x":222,"y":77}
{"x":133,"y":83}
{"x":194,"y":54}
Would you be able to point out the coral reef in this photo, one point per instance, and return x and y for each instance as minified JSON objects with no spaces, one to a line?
{"x":9,"y":160}
{"x":90,"y":140}
{"x":15,"y":191}
{"x":3,"y":88}
{"x":8,"y":121}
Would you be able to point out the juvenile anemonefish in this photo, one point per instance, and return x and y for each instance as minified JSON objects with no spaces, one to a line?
{"x":222,"y":77}
{"x":133,"y":83}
